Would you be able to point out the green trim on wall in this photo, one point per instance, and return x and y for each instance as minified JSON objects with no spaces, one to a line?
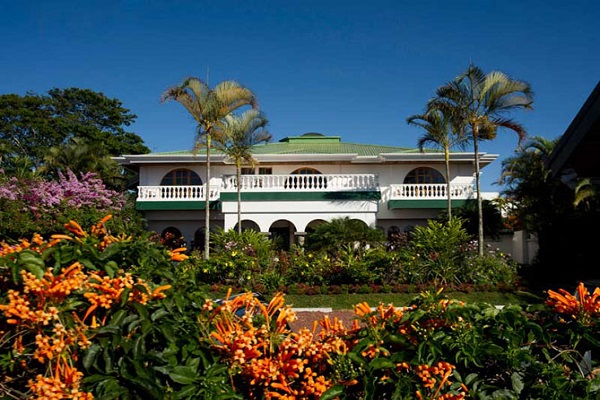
{"x":397,"y":204}
{"x":302,"y":196}
{"x":175,"y":205}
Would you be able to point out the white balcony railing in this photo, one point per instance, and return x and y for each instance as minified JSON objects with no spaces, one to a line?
{"x":427,"y":191}
{"x":292,"y":183}
{"x":176,"y":193}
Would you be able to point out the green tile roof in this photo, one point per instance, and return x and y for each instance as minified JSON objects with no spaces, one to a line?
{"x":313,"y":143}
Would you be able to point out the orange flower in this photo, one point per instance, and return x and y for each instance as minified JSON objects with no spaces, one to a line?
{"x":176,"y":255}
{"x":582,"y":306}
{"x":74,"y":227}
{"x":158,"y":292}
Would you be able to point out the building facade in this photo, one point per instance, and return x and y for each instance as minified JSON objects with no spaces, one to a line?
{"x":298,"y":183}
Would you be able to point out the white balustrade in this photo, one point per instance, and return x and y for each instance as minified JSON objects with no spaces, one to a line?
{"x":425,"y":191}
{"x":291,"y":183}
{"x":176,"y":193}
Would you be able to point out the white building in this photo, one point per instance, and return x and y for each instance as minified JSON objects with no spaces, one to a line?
{"x":299,"y":182}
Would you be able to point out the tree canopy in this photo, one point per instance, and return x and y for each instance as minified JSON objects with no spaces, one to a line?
{"x":32,"y":124}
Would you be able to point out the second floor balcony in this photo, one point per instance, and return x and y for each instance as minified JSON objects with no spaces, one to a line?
{"x":431,"y":191}
{"x":295,"y":185}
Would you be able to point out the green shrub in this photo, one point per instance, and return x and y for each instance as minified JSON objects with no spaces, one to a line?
{"x":339,"y":232}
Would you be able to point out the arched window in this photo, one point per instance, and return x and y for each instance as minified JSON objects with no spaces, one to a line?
{"x":181,"y":177}
{"x":306,"y":171}
{"x":307,"y":182}
{"x":424,"y":175}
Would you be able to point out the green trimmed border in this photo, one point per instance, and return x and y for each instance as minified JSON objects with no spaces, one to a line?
{"x":403,"y":204}
{"x":302,"y":196}
{"x":175,"y":205}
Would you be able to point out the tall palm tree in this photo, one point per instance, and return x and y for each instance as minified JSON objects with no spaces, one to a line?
{"x":209,"y":107}
{"x":439,"y":134}
{"x":240,"y":133}
{"x":478,"y":103}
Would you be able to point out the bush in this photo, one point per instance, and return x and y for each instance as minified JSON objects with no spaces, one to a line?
{"x":39,"y":206}
{"x":340,"y":232}
{"x":75,"y":322}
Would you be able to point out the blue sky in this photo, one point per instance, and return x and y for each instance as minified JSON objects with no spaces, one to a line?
{"x":351,"y":68}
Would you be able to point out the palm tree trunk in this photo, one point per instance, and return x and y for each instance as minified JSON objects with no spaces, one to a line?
{"x":447,"y":157}
{"x":207,"y":201}
{"x":477,"y":184}
{"x":239,"y":198}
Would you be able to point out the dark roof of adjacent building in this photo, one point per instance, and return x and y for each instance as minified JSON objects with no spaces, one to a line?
{"x":578,"y":150}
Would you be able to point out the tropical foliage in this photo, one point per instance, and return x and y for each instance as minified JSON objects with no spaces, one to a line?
{"x":89,"y":314}
{"x":441,"y":254}
{"x":439,"y":133}
{"x":32,"y":124}
{"x":552,"y":208}
{"x":209,"y":107}
{"x":36,"y":205}
{"x":240,"y":134}
{"x":478,"y":104}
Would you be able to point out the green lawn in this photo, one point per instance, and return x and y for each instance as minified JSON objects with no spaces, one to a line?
{"x":347,"y":301}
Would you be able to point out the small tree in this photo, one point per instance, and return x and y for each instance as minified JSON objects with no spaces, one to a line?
{"x":439,"y":133}
{"x":240,"y":134}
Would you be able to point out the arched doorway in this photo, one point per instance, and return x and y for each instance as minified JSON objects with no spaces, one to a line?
{"x":282,"y":233}
{"x":172,"y":238}
{"x":310,"y":228}
{"x":248,"y":224}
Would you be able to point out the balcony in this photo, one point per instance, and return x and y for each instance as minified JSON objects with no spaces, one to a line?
{"x":325,"y":187}
{"x":302,"y":183}
{"x":429,"y":195}
{"x":263,"y":188}
{"x":431,"y":191}
{"x":176,"y":193}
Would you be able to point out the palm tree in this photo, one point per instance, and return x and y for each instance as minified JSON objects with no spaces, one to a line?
{"x":477,"y":103}
{"x":209,"y":107}
{"x":438,"y":133}
{"x":240,"y":134}
{"x":80,"y":157}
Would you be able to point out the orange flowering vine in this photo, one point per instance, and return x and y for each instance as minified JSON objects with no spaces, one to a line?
{"x":47,"y":316}
{"x":264,"y":356}
{"x":581,"y":306}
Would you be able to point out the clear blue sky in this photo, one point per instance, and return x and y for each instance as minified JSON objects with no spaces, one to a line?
{"x":351,"y":68}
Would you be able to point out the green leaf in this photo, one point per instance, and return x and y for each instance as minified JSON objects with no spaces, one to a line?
{"x":111,"y":389}
{"x":470,"y":379}
{"x":32,"y":263}
{"x":88,"y":264}
{"x":183,"y":375}
{"x":159,"y":314}
{"x":110,"y":268}
{"x":139,"y":347}
{"x":594,"y":385}
{"x":90,"y":355}
{"x":187,"y":392}
{"x":333,"y":392}
{"x":118,"y":317}
{"x":381,"y":363}
{"x":517,"y":382}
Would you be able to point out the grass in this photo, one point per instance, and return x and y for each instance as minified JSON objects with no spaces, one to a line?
{"x":347,"y":301}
